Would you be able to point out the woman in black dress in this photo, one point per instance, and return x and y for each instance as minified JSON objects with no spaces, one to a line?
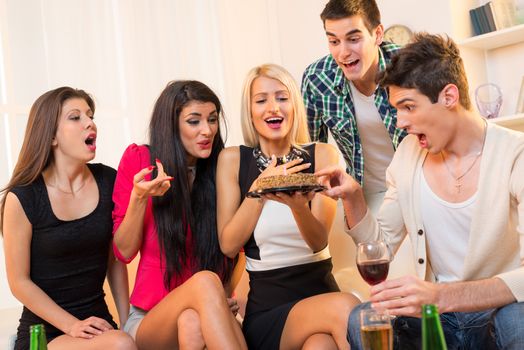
{"x":56,"y":222}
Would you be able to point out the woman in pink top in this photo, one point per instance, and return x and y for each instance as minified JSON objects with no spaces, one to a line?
{"x":178,"y":300}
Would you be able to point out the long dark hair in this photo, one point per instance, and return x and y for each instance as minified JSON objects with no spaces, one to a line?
{"x":181,"y":208}
{"x":36,"y":152}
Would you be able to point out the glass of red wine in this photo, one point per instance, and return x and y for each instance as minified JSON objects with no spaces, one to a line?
{"x":373,"y":261}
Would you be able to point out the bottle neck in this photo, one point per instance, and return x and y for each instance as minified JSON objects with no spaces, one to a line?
{"x":432,"y":334}
{"x":37,"y":337}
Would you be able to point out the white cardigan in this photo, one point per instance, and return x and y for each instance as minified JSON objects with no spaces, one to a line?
{"x":496,"y":242}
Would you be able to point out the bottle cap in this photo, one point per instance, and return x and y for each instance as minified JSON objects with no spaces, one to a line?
{"x":36,"y":327}
{"x":429,"y":309}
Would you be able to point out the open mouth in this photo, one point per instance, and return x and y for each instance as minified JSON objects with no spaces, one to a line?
{"x":351,"y":64}
{"x":274,"y":122}
{"x":422,"y":140}
{"x":90,"y":141}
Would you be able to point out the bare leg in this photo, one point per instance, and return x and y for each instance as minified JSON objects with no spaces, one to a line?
{"x":238,"y":333}
{"x":190,"y":331}
{"x":204,"y":294}
{"x":115,"y":339}
{"x":320,"y":341}
{"x":320,"y":314}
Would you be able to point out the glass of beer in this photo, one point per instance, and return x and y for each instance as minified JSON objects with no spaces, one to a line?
{"x":376,"y":332}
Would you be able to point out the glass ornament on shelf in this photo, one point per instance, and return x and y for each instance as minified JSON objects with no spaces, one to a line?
{"x":489,"y":100}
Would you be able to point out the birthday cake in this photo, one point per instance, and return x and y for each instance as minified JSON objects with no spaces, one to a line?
{"x":282,"y":181}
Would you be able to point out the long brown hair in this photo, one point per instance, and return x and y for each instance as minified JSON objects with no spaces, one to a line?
{"x":36,"y":154}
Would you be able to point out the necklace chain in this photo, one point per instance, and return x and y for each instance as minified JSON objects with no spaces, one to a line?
{"x":263,"y":161}
{"x":70,"y":192}
{"x":457,"y":179}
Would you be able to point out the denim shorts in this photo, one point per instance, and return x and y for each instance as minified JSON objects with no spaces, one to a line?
{"x":136,"y":315}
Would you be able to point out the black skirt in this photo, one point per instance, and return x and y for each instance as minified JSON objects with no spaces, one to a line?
{"x":28,"y":318}
{"x":273,"y":293}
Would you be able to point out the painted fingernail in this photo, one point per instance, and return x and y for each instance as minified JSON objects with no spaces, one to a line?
{"x":170,"y":178}
{"x":151,"y":167}
{"x":157,"y":160}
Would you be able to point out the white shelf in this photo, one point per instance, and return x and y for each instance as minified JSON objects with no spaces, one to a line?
{"x":515,"y":121}
{"x":496,"y":39}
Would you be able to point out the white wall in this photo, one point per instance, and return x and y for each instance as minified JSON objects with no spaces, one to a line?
{"x":124,"y":52}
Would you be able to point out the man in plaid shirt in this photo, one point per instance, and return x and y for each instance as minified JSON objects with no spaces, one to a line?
{"x":341,"y":94}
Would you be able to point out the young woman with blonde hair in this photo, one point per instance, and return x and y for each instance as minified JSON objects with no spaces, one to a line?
{"x":294,"y":301}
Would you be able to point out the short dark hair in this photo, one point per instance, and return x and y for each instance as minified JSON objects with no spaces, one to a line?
{"x":338,"y":9}
{"x":428,"y":64}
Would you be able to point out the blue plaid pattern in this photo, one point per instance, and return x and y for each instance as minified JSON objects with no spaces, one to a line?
{"x":329,"y":106}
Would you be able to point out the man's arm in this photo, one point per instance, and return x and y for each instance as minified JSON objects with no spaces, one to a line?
{"x":341,"y":185}
{"x":389,"y":223}
{"x":361,"y":224}
{"x":405,"y":296}
{"x":514,"y":279}
{"x":474,"y":295}
{"x":317,"y":129}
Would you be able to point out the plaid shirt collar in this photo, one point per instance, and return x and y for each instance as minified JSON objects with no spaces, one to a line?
{"x":329,"y":105}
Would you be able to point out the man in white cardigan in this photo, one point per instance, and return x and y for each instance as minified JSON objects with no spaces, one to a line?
{"x":456,"y":187}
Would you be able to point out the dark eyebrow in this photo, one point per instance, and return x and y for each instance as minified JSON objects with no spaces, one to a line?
{"x":76,"y":110}
{"x":196,"y":114}
{"x":403,"y":101}
{"x":351,"y":32}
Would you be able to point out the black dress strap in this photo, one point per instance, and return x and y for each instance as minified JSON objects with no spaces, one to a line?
{"x":248,"y":172}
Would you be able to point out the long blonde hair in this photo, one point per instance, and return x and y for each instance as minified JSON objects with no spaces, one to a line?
{"x":299,"y":131}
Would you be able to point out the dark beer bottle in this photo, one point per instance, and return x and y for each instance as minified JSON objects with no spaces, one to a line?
{"x":37,"y":338}
{"x":432,"y":334}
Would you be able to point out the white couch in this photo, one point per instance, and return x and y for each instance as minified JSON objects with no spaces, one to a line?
{"x":344,"y":269}
{"x":8,"y":323}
